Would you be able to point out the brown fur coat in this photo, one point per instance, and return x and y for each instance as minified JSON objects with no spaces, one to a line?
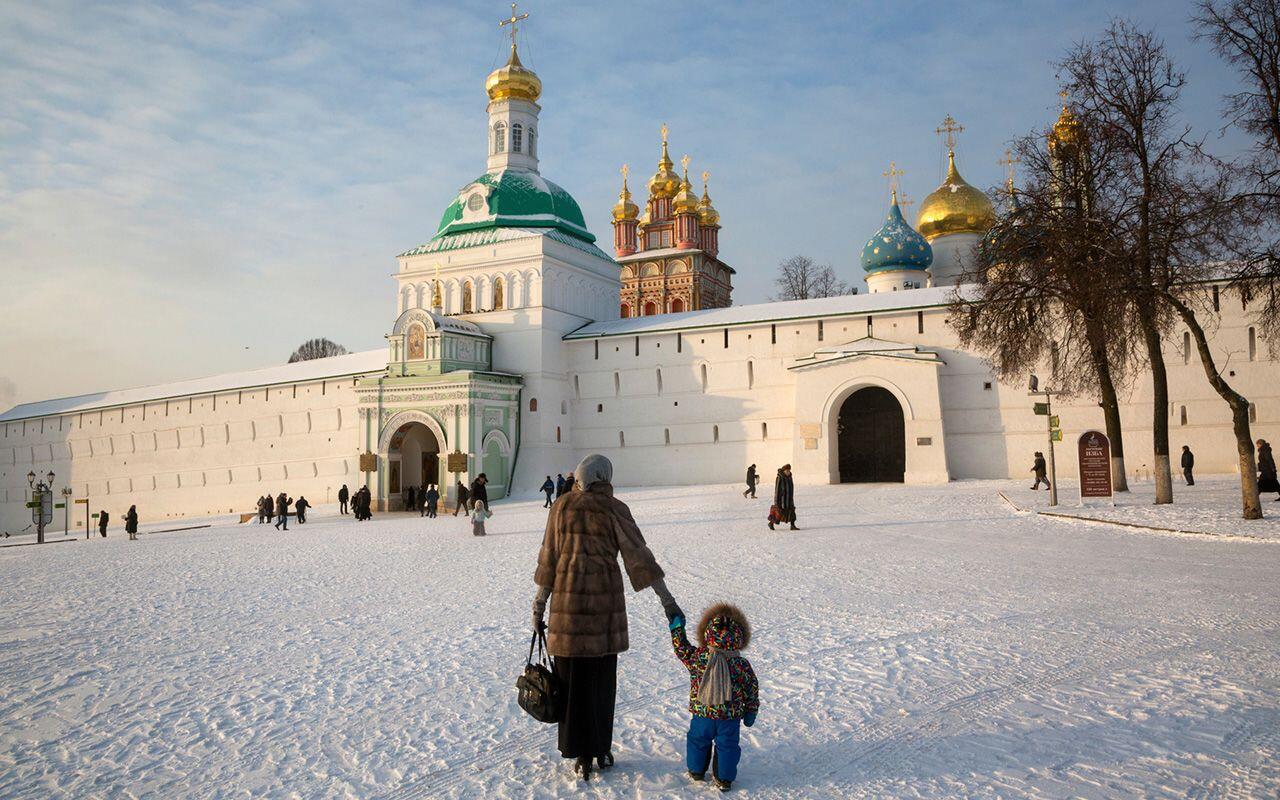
{"x":586,"y":530}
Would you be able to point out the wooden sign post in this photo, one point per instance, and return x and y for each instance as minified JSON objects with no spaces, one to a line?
{"x":1094,"y":459}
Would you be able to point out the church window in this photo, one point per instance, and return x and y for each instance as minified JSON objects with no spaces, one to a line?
{"x":557,"y":434}
{"x":467,"y":294}
{"x":564,"y":407}
{"x":715,"y":433}
{"x":764,"y":430}
{"x":533,"y":137}
{"x":659,"y":380}
{"x":1182,"y":415}
{"x":417,"y":342}
{"x":704,"y":377}
{"x":622,"y":439}
{"x":597,"y":344}
{"x":869,"y":327}
{"x":517,"y":137}
{"x":1186,"y":347}
{"x":679,"y":342}
{"x":577,"y":390}
{"x":637,"y":345}
{"x":726,"y":338}
{"x":666,"y":436}
{"x":666,"y":238}
{"x":773,"y":334}
{"x":677,"y":306}
{"x":599,"y":408}
{"x":819,"y":330}
{"x":617,"y":385}
{"x":1215,"y":299}
{"x":1253,"y":344}
{"x":919,"y":322}
{"x":533,"y":405}
{"x":986,"y":386}
{"x":624,"y":311}
{"x":500,"y":138}
{"x":650,"y":308}
{"x":499,"y":296}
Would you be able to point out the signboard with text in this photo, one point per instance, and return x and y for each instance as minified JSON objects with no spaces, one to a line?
{"x":1095,"y":465}
{"x":457,"y":461}
{"x":368,"y":462}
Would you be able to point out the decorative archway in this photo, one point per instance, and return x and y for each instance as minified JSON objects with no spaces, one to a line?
{"x":411,"y":445}
{"x":870,"y":434}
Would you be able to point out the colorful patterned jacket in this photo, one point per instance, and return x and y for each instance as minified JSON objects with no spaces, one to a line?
{"x":725,"y":634}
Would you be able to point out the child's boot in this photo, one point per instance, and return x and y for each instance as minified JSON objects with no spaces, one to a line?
{"x":697,"y":776}
{"x":724,"y":785}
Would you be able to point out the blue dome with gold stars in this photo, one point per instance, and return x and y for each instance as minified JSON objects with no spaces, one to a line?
{"x":896,"y":245}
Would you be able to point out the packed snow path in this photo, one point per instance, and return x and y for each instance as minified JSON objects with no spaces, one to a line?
{"x":917,"y":642}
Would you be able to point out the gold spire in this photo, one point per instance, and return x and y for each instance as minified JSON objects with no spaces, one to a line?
{"x":955,"y":206}
{"x":625,"y":209}
{"x":513,"y":79}
{"x":893,"y":173}
{"x":1067,"y":130}
{"x":436,"y":301}
{"x":1009,"y":163}
{"x":707,"y":213}
{"x":685,"y":200}
{"x":665,"y":182}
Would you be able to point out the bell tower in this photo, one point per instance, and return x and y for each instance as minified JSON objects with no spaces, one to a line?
{"x":513,"y":110}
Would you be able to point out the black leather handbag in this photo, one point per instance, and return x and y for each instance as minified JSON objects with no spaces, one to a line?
{"x":540,"y":694}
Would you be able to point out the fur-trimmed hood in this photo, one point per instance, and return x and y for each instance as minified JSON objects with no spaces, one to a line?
{"x":724,"y":627}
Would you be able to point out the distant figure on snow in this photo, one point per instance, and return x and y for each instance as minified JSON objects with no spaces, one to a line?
{"x":752,"y":480}
{"x":723,"y":691}
{"x":784,"y":499}
{"x":479,"y":494}
{"x":103,"y":517}
{"x":301,"y":507}
{"x":559,"y":485}
{"x":262,"y":509}
{"x":271,"y":509}
{"x":364,"y":503}
{"x":343,"y":496}
{"x":432,"y":496}
{"x":569,"y":483}
{"x":1267,"y":469}
{"x":479,"y":513}
{"x":548,"y":489}
{"x":1188,"y":462}
{"x":283,"y":501}
{"x":1038,"y":467}
{"x":131,"y":523}
{"x":410,"y":499}
{"x":463,"y":496}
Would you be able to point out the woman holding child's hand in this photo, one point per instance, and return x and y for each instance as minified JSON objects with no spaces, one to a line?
{"x":578,"y":571}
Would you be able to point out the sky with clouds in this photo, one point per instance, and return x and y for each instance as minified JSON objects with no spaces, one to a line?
{"x":191,"y":188}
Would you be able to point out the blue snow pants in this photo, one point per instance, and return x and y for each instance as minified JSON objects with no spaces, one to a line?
{"x":724,"y":733}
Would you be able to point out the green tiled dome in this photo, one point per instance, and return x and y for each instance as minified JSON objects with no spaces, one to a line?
{"x":515,"y":199}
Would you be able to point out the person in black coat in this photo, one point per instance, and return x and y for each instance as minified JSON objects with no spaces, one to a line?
{"x":103,"y":516}
{"x":301,"y":506}
{"x":752,"y":480}
{"x":559,"y":485}
{"x":343,"y":496}
{"x":271,"y":509}
{"x":282,"y":510}
{"x":131,"y":523}
{"x":548,"y":488}
{"x":1267,"y":469}
{"x":784,"y":498}
{"x":1188,"y":461}
{"x":463,"y":496}
{"x":431,"y":499}
{"x":1038,"y":467}
{"x":479,"y":494}
{"x":569,"y":482}
{"x":411,"y":499}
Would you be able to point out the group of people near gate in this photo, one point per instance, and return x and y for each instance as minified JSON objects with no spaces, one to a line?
{"x":558,"y":488}
{"x":359,"y":505}
{"x":578,"y":578}
{"x":783,"y":509}
{"x":275,"y":510}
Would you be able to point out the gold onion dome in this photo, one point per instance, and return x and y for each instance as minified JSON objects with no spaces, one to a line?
{"x":625,"y":209}
{"x":707,"y":213}
{"x":954,"y":207}
{"x":512,"y":80}
{"x":665,"y":182}
{"x":1066,"y":131}
{"x":685,"y":202}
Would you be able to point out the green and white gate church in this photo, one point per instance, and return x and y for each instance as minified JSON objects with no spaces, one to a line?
{"x":513,"y":251}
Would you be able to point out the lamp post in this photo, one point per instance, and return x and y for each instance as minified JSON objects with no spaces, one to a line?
{"x":66,"y":510}
{"x":1034,"y":390}
{"x":40,"y":492}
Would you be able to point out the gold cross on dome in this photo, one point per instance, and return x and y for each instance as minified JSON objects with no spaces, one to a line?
{"x":950,"y":127}
{"x":706,"y":175}
{"x":1009,"y":163}
{"x":684,"y":162}
{"x":893,"y":173}
{"x":512,"y":21}
{"x":664,"y":133}
{"x":1064,"y":94}
{"x":625,"y":172}
{"x":905,"y":202}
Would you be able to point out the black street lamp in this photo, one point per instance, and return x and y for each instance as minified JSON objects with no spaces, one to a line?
{"x":39,"y":491}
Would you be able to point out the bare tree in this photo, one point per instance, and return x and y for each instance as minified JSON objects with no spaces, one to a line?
{"x":1044,"y":280}
{"x":802,"y":278}
{"x":317,"y":348}
{"x":1175,"y":217}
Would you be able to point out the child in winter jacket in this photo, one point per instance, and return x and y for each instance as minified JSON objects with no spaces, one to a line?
{"x":479,"y":513}
{"x":722,"y":691}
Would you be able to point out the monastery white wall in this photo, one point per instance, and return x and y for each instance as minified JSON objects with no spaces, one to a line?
{"x":716,"y":408}
{"x":188,"y":455}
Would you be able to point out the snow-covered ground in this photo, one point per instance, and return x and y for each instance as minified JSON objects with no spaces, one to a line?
{"x":1212,"y":506}
{"x":917,"y":642}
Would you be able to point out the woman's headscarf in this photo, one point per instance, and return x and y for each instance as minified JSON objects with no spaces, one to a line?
{"x":595,"y":468}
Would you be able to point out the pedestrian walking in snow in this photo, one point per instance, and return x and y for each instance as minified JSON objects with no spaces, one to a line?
{"x":1267,"y":469}
{"x":559,"y":485}
{"x":271,"y":509}
{"x":262,"y":509}
{"x":364,"y":504}
{"x":1188,"y":462}
{"x":569,"y":482}
{"x":578,"y":572}
{"x":752,"y":480}
{"x":463,"y":495}
{"x":784,"y":499}
{"x":480,"y":494}
{"x":479,"y":513}
{"x":548,"y":488}
{"x":131,"y":523}
{"x":103,"y":516}
{"x":283,"y":501}
{"x":723,"y":691}
{"x":301,"y":507}
{"x":1038,"y":467}
{"x":433,"y":501}
{"x":410,"y":499}
{"x":343,"y":496}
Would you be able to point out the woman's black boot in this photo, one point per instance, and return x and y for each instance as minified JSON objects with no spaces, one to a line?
{"x":583,"y":768}
{"x":605,"y":761}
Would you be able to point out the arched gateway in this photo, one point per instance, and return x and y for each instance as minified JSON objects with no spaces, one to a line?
{"x":413,"y":459}
{"x":872,"y":437}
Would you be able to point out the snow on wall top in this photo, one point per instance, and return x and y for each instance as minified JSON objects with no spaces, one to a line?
{"x":314,"y":370}
{"x":772,"y":312}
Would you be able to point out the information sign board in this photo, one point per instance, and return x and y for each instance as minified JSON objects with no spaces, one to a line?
{"x":1095,"y":465}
